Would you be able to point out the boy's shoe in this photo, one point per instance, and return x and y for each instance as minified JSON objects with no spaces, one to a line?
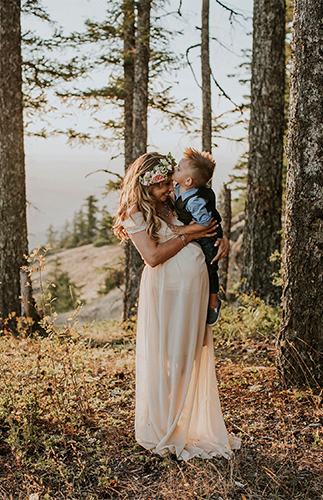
{"x":213,"y":314}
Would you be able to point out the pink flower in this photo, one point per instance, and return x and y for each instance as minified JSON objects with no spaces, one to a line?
{"x":147,"y":174}
{"x":157,"y":178}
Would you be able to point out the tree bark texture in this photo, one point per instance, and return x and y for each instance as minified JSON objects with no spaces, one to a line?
{"x":141,"y":78}
{"x":129,"y":76}
{"x":13,"y":224}
{"x":206,"y":80}
{"x":301,"y":338}
{"x":226,"y":226}
{"x":129,"y":79}
{"x":134,"y":262}
{"x":266,"y":131}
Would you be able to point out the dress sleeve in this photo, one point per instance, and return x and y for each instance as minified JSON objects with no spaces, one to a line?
{"x":134,"y":224}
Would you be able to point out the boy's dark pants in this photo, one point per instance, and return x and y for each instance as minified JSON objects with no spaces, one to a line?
{"x":210,"y":252}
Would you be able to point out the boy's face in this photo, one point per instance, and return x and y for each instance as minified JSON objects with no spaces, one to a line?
{"x":183,"y":174}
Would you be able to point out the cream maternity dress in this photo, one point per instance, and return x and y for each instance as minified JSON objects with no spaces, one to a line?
{"x":177,"y":401}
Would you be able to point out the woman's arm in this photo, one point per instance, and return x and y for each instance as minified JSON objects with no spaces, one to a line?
{"x":156,"y":253}
{"x":191,"y":228}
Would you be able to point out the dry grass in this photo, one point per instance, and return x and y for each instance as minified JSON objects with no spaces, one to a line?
{"x":67,"y":425}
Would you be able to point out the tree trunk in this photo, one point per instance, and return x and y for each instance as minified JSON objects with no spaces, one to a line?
{"x":206,"y":80}
{"x":141,"y":78}
{"x":266,"y":131}
{"x":134,"y":261}
{"x":129,"y":78}
{"x":226,"y":226}
{"x":301,"y":337}
{"x":13,"y":224}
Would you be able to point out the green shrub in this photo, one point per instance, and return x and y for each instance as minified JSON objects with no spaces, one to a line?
{"x":64,"y":292}
{"x":252,"y":318}
{"x":101,"y":242}
{"x":114,"y":277}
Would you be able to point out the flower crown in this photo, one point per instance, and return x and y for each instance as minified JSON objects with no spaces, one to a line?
{"x":159,"y":173}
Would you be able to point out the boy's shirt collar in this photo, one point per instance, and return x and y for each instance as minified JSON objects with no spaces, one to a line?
{"x":186,"y":194}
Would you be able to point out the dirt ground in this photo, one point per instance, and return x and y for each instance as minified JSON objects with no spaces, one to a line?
{"x":281,"y":431}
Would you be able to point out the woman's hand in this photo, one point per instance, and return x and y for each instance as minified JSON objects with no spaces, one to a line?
{"x":223,"y":248}
{"x":201,"y":231}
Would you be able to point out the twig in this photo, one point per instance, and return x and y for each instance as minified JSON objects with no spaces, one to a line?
{"x":232,"y":12}
{"x":107,"y":171}
{"x":179,"y":8}
{"x":190,"y":64}
{"x":224,"y":46}
{"x":272,"y":475}
{"x":223,"y":92}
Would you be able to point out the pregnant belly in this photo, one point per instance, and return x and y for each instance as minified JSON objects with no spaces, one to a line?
{"x":180,"y":271}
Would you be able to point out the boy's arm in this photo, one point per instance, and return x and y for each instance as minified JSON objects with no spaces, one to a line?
{"x":196,"y":206}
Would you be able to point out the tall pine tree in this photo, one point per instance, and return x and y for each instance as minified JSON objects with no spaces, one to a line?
{"x":301,"y":338}
{"x":261,"y":235}
{"x":134,"y":263}
{"x":13,"y":223}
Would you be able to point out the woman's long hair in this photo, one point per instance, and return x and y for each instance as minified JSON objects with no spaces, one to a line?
{"x":136,"y":195}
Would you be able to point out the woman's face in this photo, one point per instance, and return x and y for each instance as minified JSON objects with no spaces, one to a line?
{"x":162,"y":190}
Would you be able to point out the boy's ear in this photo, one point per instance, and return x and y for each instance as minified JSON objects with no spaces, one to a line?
{"x":189,"y":181}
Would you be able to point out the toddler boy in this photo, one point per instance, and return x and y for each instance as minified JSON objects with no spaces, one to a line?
{"x":195,"y":202}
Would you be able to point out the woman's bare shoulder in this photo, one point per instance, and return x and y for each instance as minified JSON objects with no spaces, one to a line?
{"x":134,"y":210}
{"x":135,"y":222}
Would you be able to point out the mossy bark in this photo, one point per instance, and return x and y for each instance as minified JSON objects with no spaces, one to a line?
{"x":301,"y":339}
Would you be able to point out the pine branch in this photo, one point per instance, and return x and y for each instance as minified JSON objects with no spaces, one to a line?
{"x":32,"y":7}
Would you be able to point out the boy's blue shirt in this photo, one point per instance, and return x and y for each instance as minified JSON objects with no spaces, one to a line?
{"x":196,"y":206}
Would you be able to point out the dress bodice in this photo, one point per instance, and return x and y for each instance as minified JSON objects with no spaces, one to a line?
{"x":135,"y":223}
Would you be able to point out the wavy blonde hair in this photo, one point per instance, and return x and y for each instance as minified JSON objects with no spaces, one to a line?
{"x":136,"y":195}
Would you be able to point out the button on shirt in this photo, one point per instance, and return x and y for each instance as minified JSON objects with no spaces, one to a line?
{"x":196,"y":206}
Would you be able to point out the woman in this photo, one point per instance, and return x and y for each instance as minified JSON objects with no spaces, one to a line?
{"x":177,"y":402}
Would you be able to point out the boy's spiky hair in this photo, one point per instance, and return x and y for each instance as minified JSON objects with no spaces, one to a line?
{"x":202,"y":165}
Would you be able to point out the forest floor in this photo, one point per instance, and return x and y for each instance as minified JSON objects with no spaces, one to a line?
{"x":67,"y":424}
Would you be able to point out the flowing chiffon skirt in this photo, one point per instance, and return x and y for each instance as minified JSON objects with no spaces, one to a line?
{"x":177,"y":401}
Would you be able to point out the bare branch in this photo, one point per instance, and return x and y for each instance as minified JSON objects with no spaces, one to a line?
{"x":179,"y":8}
{"x":224,"y":46}
{"x":223,"y":92}
{"x":232,"y":12}
{"x":190,"y":64}
{"x":106,"y":171}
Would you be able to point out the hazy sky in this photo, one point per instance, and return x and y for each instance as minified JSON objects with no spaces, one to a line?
{"x":56,"y":183}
